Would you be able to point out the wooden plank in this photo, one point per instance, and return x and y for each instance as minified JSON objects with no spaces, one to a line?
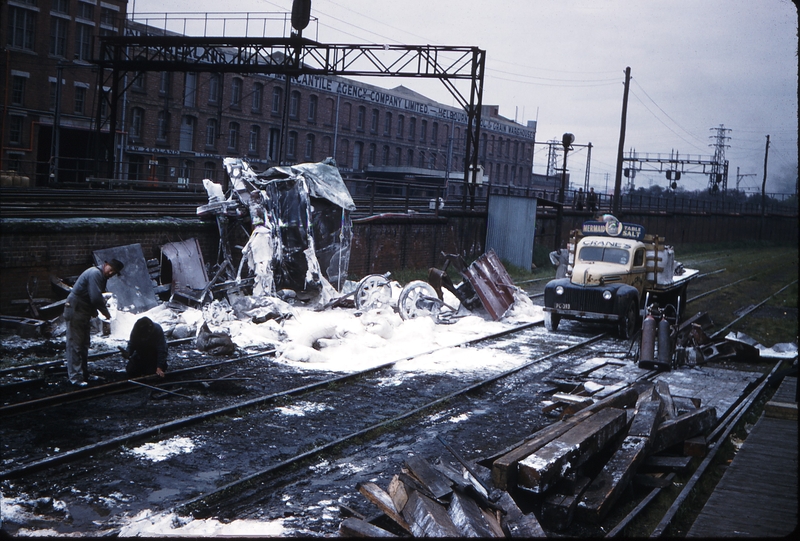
{"x":696,"y":446}
{"x":505,"y":467}
{"x":650,"y":480}
{"x":493,"y":520}
{"x":379,"y":497}
{"x":646,"y":418}
{"x":355,"y":527}
{"x":398,"y":493}
{"x":662,"y":388}
{"x":684,"y":427}
{"x":517,"y":524}
{"x":781,"y":410}
{"x":540,"y":470}
{"x":428,"y":518}
{"x":467,"y":516}
{"x":605,"y":489}
{"x":558,"y":509}
{"x":432,"y":479}
{"x":677,"y":464}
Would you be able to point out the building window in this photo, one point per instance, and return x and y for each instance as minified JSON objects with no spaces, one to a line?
{"x":398,"y":157}
{"x":137,"y":121}
{"x":255,"y":134}
{"x":163,"y":126}
{"x":210,"y":171}
{"x":108,"y":17}
{"x":326,"y":146}
{"x":274,"y":143}
{"x":434,"y":133}
{"x":185,"y":173}
{"x":21,"y":28}
{"x":312,"y":108}
{"x":423,"y":131}
{"x":291,"y":145}
{"x":80,"y":99}
{"x":385,"y":160}
{"x":18,"y":90}
{"x":162,"y":169}
{"x":211,"y":132}
{"x":387,"y":124}
{"x":15,"y":129}
{"x":374,"y":125}
{"x":60,"y":6}
{"x":136,"y":167}
{"x":344,"y":152}
{"x":236,"y":94}
{"x":357,"y":151}
{"x":83,"y":42}
{"x":187,"y":133}
{"x":213,"y":88}
{"x":412,"y":129}
{"x":277,"y":94}
{"x":85,"y":11}
{"x":309,"y":147}
{"x":294,"y":105}
{"x":362,"y":117}
{"x":163,"y":84}
{"x":410,"y":158}
{"x":58,"y":36}
{"x":432,"y":163}
{"x":421,"y":163}
{"x":329,"y":103}
{"x":373,"y":150}
{"x":400,"y":126}
{"x":346,"y":113}
{"x":138,"y":83}
{"x":233,"y":136}
{"x":190,"y":90}
{"x":258,"y":93}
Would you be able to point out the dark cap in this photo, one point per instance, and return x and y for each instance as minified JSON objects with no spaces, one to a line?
{"x":117,"y":265}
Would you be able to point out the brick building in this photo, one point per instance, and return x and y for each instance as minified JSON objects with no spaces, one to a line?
{"x":174,"y":129}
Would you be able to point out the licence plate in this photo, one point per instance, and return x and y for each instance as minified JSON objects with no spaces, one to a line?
{"x":562,"y":306}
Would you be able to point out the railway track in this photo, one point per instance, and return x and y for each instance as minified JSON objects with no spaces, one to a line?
{"x":337,"y":415}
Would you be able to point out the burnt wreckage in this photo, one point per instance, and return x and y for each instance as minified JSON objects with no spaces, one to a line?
{"x":300,"y":227}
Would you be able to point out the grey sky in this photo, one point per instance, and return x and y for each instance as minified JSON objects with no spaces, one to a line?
{"x":695,"y":65}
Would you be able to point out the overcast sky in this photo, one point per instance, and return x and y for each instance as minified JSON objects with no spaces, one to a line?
{"x":695,"y":65}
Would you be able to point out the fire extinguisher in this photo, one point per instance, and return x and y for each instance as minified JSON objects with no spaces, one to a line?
{"x":648,"y":348}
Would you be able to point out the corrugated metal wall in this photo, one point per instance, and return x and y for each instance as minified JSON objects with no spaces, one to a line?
{"x":510,"y":229}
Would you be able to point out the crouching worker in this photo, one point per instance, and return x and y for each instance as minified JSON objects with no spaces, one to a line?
{"x":147,"y":349}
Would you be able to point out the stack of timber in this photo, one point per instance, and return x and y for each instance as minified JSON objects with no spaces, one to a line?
{"x":426,"y":500}
{"x":578,"y":467}
{"x":575,"y":469}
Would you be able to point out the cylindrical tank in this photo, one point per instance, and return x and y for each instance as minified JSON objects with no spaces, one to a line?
{"x":664,"y":343}
{"x":648,"y":349}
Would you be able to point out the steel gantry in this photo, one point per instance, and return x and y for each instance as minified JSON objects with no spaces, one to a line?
{"x":674,"y":165}
{"x":295,"y":56}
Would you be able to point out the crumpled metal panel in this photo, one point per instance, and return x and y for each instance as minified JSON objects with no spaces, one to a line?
{"x":188,"y":268}
{"x":491,"y":282}
{"x":134,"y":287}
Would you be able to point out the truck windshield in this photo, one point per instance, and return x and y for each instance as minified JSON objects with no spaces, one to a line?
{"x":608,"y":255}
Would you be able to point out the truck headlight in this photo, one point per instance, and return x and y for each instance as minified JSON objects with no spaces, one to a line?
{"x":607,"y":295}
{"x":559,"y":290}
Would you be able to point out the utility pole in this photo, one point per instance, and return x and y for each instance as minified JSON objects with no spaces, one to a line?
{"x":764,"y":193}
{"x":566,"y":141}
{"x":618,"y":176}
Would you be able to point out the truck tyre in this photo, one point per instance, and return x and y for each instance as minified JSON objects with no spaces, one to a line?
{"x":628,"y":321}
{"x":551,"y":321}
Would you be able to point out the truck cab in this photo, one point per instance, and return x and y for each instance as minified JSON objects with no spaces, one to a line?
{"x":613,"y":269}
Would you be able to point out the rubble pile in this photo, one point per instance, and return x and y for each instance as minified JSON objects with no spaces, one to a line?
{"x":575,"y":469}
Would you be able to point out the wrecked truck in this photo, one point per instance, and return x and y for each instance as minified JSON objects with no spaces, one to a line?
{"x":615,"y":271}
{"x":300,"y":225}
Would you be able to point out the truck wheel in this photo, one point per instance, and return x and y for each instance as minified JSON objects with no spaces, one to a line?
{"x":628,"y":321}
{"x":551,"y":321}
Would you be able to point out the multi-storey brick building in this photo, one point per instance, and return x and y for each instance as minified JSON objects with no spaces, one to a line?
{"x":174,"y":128}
